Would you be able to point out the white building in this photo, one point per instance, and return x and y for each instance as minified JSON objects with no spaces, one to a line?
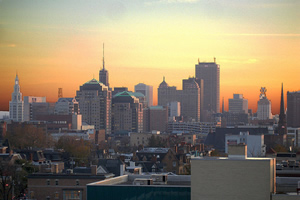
{"x":174,"y":109}
{"x":66,"y":106}
{"x":28,"y":100}
{"x":263,"y":106}
{"x":16,"y":105}
{"x":255,"y":143}
{"x":146,"y":90}
{"x":238,"y":104}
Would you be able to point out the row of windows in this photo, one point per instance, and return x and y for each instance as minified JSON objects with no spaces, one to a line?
{"x":56,"y":182}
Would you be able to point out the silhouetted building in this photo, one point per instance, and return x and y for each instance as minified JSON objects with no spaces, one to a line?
{"x":94,"y":100}
{"x":147,"y":91}
{"x":209,"y":72}
{"x":282,"y":125}
{"x":127,"y":113}
{"x":293,"y":109}
{"x":238,"y":104}
{"x":16,"y":105}
{"x":189,"y":98}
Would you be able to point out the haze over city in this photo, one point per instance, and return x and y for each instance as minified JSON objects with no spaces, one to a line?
{"x":58,"y":44}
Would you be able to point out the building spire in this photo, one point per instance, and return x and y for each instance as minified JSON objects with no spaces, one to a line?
{"x":282,"y":100}
{"x":103,"y":57}
{"x":282,"y":125}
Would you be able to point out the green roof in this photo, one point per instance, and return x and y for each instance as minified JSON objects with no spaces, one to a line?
{"x":93,"y":81}
{"x":137,"y":94}
{"x":123,"y":94}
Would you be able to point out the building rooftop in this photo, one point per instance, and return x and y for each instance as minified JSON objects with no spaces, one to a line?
{"x":128,"y":180}
{"x":154,"y":150}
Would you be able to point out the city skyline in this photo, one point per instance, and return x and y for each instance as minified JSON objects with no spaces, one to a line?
{"x":254,"y":42}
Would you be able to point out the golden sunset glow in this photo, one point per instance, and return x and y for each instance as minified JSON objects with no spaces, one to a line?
{"x":53,"y":44}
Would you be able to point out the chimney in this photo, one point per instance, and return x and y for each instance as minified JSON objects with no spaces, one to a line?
{"x":237,"y":151}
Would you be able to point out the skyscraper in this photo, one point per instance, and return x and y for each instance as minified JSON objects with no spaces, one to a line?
{"x":94,"y":100}
{"x":28,"y":102}
{"x":282,"y":126}
{"x":127,"y":113}
{"x":103,"y":73}
{"x":189,"y":98}
{"x":293,"y":109}
{"x":238,"y":104}
{"x":210,"y":73}
{"x":263,"y":106}
{"x":146,"y":90}
{"x":16,"y":105}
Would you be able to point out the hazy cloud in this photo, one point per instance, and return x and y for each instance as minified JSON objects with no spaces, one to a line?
{"x":8,"y":45}
{"x":240,"y":61}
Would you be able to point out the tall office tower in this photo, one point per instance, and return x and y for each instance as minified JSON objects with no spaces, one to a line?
{"x":127,"y":113}
{"x":28,"y":101}
{"x":238,"y":104}
{"x":146,"y":90}
{"x":155,"y":118}
{"x":263,"y":106}
{"x":293,"y":109}
{"x":210,"y":73}
{"x":16,"y":105}
{"x":66,"y":106}
{"x":166,"y":93}
{"x":94,"y":100}
{"x":282,"y":126}
{"x":189,"y":98}
{"x":103,"y":73}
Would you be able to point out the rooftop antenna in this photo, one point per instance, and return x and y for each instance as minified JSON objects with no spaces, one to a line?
{"x":198,"y":60}
{"x":60,"y":93}
{"x":214,"y":59}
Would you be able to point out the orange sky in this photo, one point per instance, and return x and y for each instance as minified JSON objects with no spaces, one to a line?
{"x":54,"y":44}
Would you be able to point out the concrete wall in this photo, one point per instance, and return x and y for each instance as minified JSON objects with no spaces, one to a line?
{"x":232,"y":179}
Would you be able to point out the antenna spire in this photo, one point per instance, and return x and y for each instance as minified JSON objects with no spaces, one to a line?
{"x":103,"y":57}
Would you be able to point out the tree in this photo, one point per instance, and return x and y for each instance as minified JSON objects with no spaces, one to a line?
{"x":28,"y":136}
{"x":155,"y":141}
{"x":13,"y":178}
{"x":76,"y":147}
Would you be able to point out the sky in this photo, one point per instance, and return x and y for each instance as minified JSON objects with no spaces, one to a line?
{"x":55,"y":44}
